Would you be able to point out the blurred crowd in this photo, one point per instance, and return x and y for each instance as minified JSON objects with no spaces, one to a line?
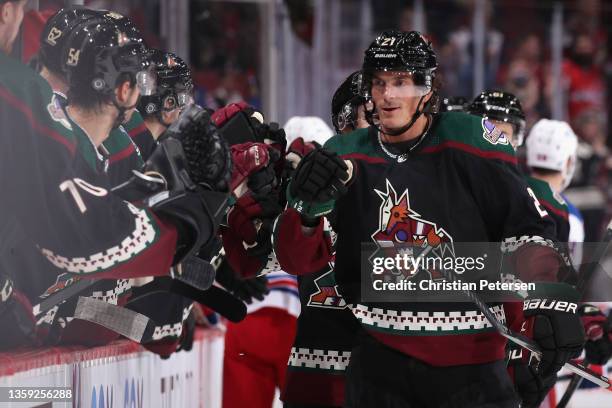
{"x":518,"y":59}
{"x":223,"y":207}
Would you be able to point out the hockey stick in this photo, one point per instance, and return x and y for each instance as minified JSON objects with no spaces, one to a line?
{"x":215,"y":298}
{"x":195,"y":272}
{"x":582,"y":283}
{"x":58,"y":297}
{"x":525,"y":341}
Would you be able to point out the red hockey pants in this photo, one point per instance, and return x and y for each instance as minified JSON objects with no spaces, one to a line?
{"x":256,"y":354}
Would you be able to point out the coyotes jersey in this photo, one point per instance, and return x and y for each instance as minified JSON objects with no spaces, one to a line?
{"x":117,"y":156}
{"x":138,"y":131}
{"x":326,"y":332}
{"x":460,"y":183}
{"x":62,"y":205}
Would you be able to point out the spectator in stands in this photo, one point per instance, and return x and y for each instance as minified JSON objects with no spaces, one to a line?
{"x":583,"y":78}
{"x":586,"y":17}
{"x":522,"y":81}
{"x":592,"y":150}
{"x":462,"y":40}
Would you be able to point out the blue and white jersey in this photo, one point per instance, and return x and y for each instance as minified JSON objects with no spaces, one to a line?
{"x":576,"y":234}
{"x":283,"y":294}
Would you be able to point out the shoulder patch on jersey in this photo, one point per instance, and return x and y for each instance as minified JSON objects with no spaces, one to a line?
{"x":492,"y":134}
{"x":468,"y":133}
{"x":57,"y":112}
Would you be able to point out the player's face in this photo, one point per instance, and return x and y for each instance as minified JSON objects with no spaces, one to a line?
{"x":396,"y":98}
{"x":508,"y":130}
{"x":12,"y":16}
{"x":127,"y":96}
{"x":170,"y":116}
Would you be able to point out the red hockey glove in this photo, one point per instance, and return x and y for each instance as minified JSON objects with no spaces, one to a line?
{"x":247,"y":219}
{"x":598,"y":330}
{"x":224,"y":114}
{"x":248,"y":158}
{"x":297,"y":150}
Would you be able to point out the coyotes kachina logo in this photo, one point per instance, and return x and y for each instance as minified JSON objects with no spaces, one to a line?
{"x":402,"y":230}
{"x":327,"y":295}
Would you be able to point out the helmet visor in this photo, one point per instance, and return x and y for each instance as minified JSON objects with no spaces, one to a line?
{"x":400,"y":84}
{"x":146,"y":81}
{"x":184,"y":98}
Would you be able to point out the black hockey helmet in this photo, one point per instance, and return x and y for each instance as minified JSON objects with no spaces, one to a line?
{"x":454,"y":104}
{"x":97,"y":54}
{"x":345,"y":102}
{"x":407,"y":52}
{"x":174,"y":84}
{"x":125,"y":25}
{"x":400,"y":51}
{"x":501,"y":106}
{"x":54,"y":34}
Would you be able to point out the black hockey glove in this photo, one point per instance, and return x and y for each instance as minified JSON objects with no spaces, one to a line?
{"x":556,"y":327}
{"x":598,"y":330}
{"x":175,"y":184}
{"x":530,"y":386}
{"x":318,"y":181}
{"x":272,"y":134}
{"x":207,"y":154}
{"x":243,"y":289}
{"x":264,"y":182}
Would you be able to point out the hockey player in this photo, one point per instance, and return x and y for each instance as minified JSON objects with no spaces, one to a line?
{"x":118,"y":149}
{"x":64,"y":206}
{"x":162,"y":108}
{"x":118,"y":152}
{"x":415,"y":162}
{"x":504,"y":110}
{"x":174,"y":91}
{"x":326,"y":328}
{"x":551,"y":158}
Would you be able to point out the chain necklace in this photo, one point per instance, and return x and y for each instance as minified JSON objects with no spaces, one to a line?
{"x":400,"y":158}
